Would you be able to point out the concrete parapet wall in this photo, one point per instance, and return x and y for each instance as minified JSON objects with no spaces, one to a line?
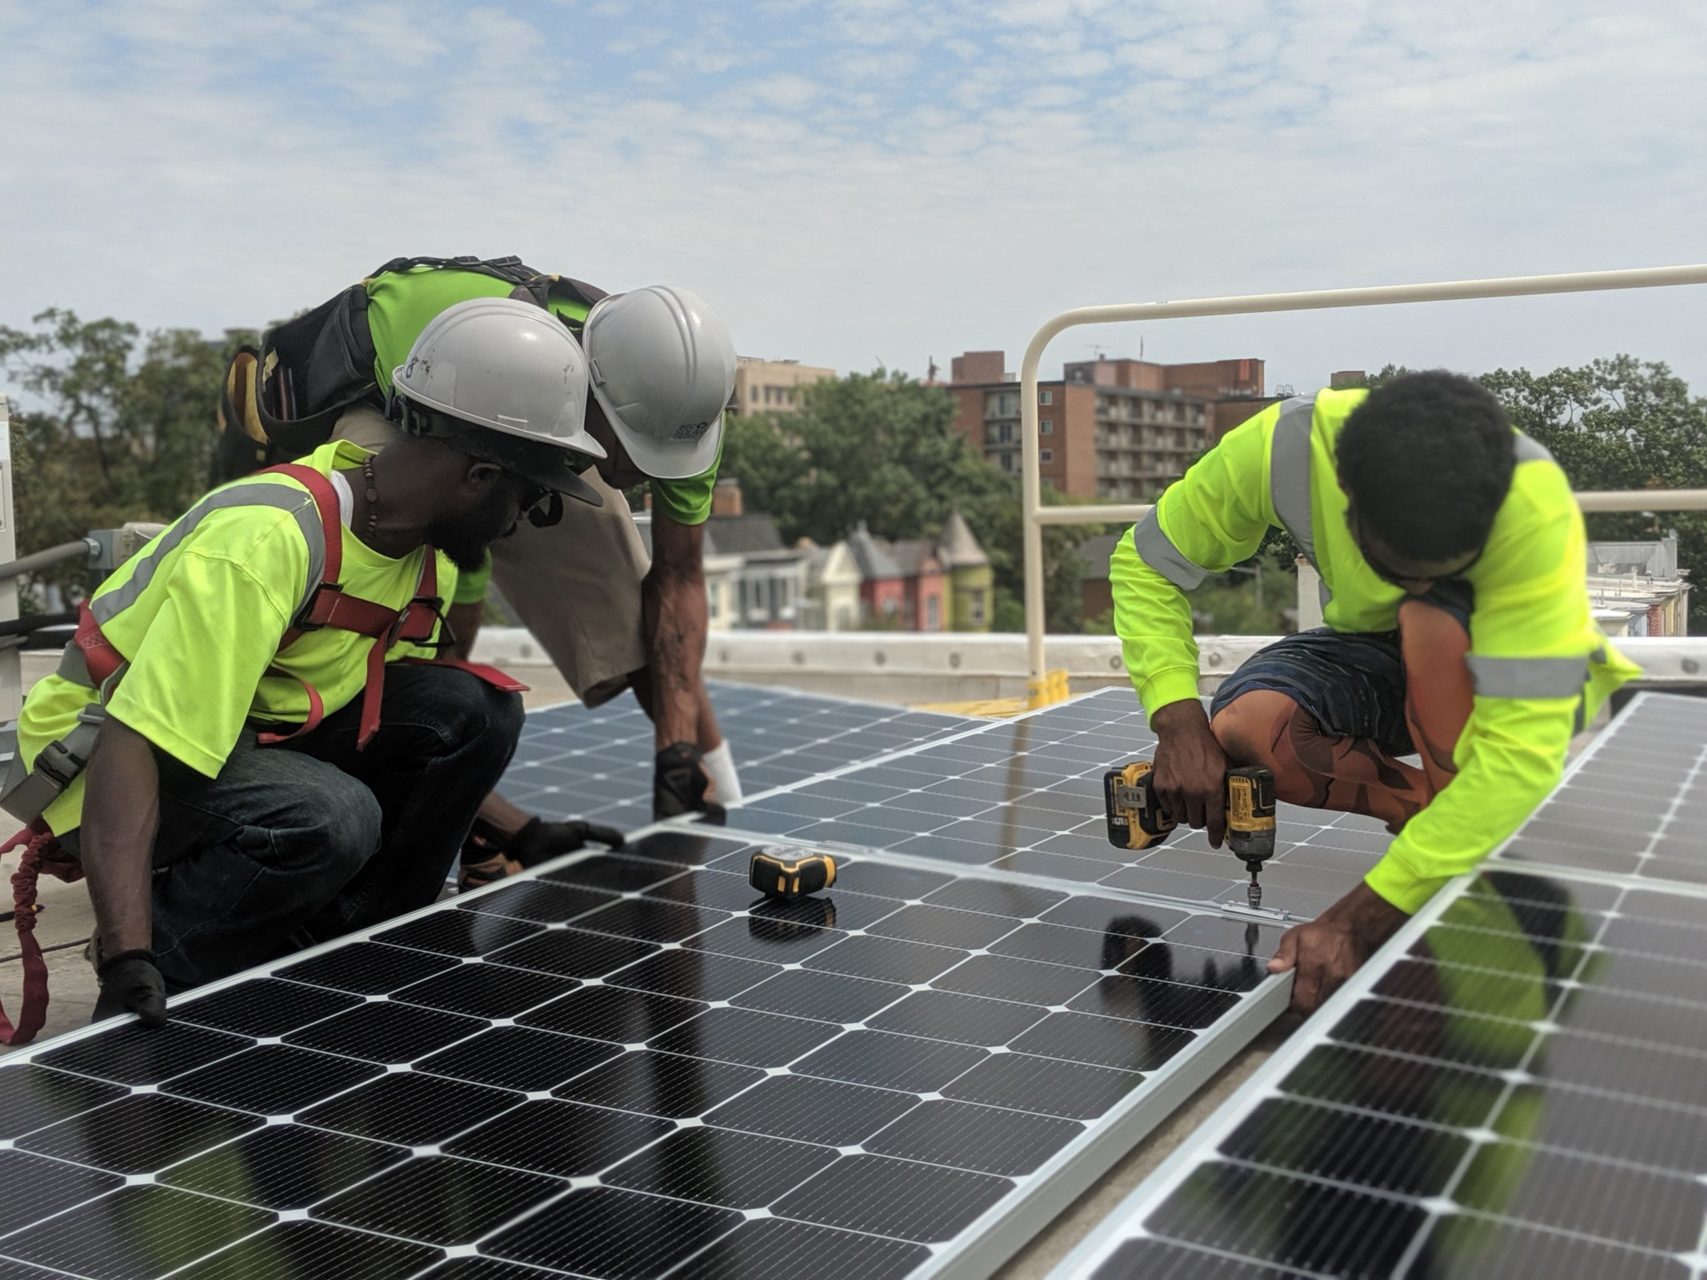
{"x":953,"y":667}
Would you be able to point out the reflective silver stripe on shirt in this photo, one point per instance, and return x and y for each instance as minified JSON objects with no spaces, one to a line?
{"x":286,"y":497}
{"x":1289,"y":471}
{"x":1157,"y":550}
{"x":1529,"y":450}
{"x":1528,"y":677}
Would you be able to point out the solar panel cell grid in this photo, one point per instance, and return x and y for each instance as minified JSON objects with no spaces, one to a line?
{"x":612,"y":1068}
{"x":1522,"y":1116}
{"x":592,"y":762}
{"x":1631,"y":808}
{"x":1026,"y":797}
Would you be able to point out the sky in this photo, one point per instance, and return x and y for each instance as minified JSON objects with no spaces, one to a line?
{"x":857,"y":183}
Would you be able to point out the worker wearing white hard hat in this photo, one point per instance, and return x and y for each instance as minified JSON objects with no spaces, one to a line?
{"x":501,"y":380}
{"x":612,"y":612}
{"x":318,"y":780}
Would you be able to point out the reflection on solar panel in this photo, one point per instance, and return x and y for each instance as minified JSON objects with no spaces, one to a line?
{"x":1631,"y":807}
{"x":597,"y":762}
{"x":627,"y":1065}
{"x":1026,"y":795}
{"x":1521,"y":1090}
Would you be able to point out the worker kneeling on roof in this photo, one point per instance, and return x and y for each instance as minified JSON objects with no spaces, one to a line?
{"x":273,"y":761}
{"x":1451,"y":554}
{"x":610,"y":612}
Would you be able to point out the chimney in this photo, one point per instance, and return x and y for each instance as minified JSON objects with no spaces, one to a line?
{"x":726,"y":497}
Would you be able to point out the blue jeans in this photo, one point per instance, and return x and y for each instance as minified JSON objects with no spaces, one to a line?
{"x":307,"y":840}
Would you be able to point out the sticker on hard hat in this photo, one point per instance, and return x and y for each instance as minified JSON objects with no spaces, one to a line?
{"x":691,"y":431}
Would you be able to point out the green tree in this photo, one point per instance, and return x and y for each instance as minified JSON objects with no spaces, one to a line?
{"x":881,"y":447}
{"x":1621,"y":423}
{"x":119,"y":426}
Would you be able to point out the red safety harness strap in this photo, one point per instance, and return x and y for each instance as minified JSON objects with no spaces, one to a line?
{"x":99,"y":656}
{"x":329,"y":606}
{"x":37,"y":843}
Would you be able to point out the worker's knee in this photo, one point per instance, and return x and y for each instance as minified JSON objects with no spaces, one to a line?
{"x":1252,"y":724}
{"x":1265,"y":727}
{"x":468,"y":713}
{"x":490,"y":720}
{"x":341,"y":828}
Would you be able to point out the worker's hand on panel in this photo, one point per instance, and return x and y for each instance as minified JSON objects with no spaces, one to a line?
{"x":680,"y":784}
{"x":130,"y":983}
{"x":505,"y":840}
{"x":1328,"y":950}
{"x":1191,"y":768}
{"x":540,"y":840}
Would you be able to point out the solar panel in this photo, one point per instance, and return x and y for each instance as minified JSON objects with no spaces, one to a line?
{"x":1629,"y":807}
{"x":629,"y":1063}
{"x":1517,"y":1087}
{"x":1026,"y":795}
{"x":596,"y":762}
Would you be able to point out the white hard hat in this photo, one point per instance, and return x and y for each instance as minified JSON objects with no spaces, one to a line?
{"x":508,"y":367}
{"x":661,"y":366}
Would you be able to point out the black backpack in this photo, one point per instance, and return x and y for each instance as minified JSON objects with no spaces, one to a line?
{"x":282,"y":401}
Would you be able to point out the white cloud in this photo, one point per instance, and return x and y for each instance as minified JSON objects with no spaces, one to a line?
{"x":856,"y":180}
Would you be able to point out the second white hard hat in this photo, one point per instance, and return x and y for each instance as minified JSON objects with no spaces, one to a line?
{"x":510,"y":367}
{"x":661,"y":366}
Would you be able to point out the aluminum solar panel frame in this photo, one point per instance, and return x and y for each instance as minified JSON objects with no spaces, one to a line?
{"x":1025,"y":795}
{"x":624,"y":1064}
{"x":1515,"y":1086}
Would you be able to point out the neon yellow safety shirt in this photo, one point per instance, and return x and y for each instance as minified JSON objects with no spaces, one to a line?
{"x":1539,"y":663}
{"x":198,"y":614}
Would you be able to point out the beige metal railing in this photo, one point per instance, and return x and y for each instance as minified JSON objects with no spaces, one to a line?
{"x":1037,"y":515}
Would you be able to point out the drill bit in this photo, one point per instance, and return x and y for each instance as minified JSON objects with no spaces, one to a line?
{"x":1253,"y":893}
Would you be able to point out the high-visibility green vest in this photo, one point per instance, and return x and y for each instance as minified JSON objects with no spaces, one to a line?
{"x":1540,"y":665}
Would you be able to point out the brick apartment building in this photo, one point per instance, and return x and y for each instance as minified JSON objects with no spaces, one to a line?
{"x":1110,"y":428}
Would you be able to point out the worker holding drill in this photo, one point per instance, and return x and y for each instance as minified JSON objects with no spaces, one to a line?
{"x":1451,"y":555}
{"x":662,"y":367}
{"x":247,"y":746}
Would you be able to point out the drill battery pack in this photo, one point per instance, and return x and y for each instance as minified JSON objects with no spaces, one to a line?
{"x":1135,"y":820}
{"x":1250,"y":813}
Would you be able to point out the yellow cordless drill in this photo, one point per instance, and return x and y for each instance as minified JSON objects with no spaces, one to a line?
{"x":1136,"y":819}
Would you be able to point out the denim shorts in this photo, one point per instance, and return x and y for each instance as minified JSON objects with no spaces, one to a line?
{"x":1351,"y":682}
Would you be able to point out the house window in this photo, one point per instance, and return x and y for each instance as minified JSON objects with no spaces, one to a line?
{"x":1046,"y":427}
{"x":1046,"y":455}
{"x":1046,"y":396}
{"x":933,"y":613}
{"x":713,"y":599}
{"x":975,"y":608}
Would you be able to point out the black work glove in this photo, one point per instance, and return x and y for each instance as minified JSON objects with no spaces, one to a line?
{"x":131,"y":983}
{"x":679,"y":783}
{"x":539,"y":840}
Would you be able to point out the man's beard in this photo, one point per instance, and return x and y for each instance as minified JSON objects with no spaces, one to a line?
{"x":466,"y":539}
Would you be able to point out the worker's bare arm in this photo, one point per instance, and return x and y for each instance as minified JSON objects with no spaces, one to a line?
{"x":674,"y":620}
{"x":464,"y":620}
{"x":121,"y":810}
{"x":121,"y":813}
